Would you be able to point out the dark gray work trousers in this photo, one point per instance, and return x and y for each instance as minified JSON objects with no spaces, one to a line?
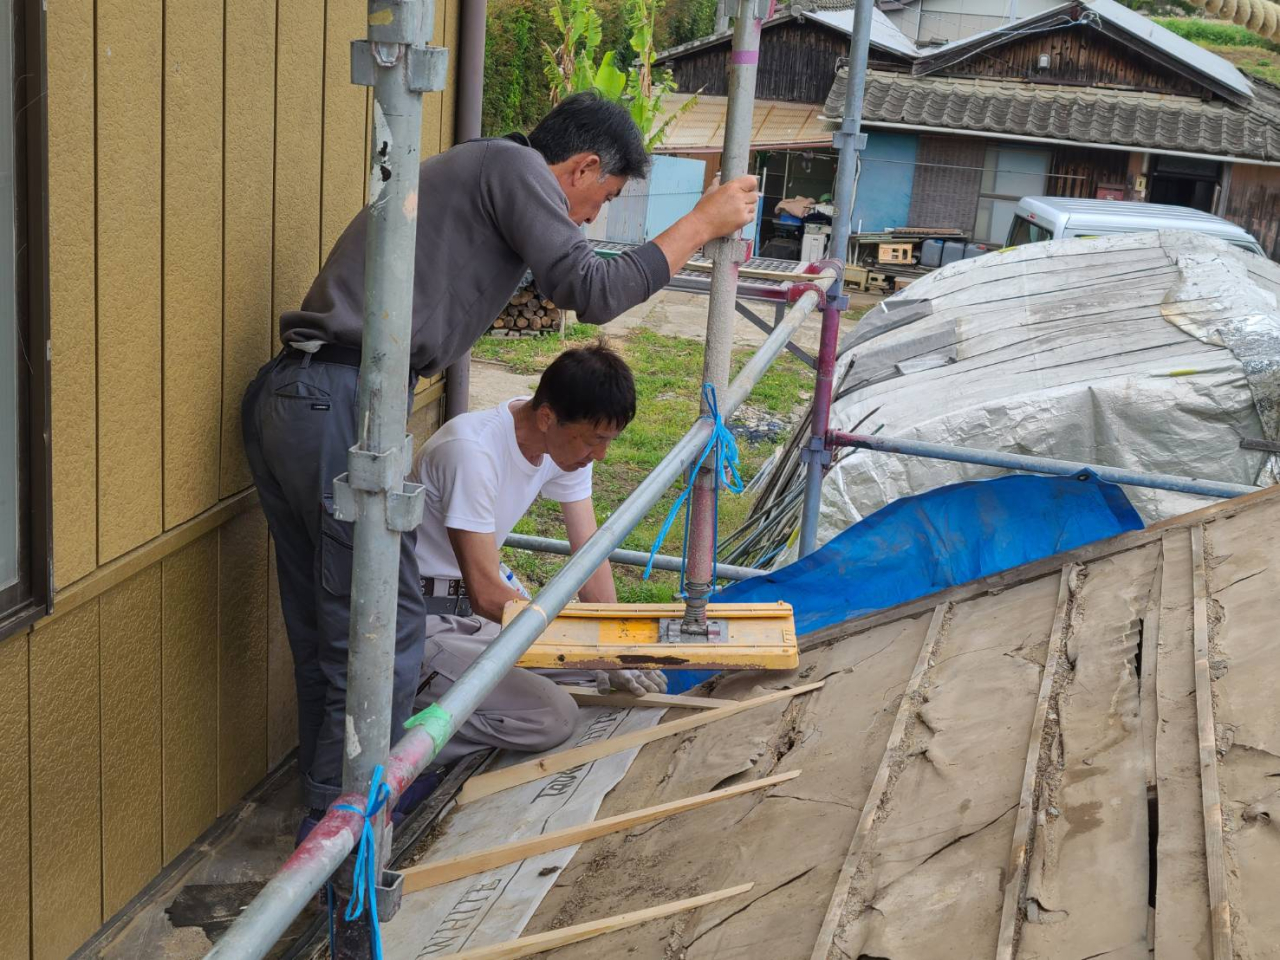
{"x":299,"y":419}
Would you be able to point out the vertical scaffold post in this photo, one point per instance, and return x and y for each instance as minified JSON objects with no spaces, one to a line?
{"x":849,"y":141}
{"x":397,"y":62}
{"x":727,"y":255}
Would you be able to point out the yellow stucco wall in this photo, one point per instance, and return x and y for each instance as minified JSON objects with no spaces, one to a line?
{"x":203,"y":159}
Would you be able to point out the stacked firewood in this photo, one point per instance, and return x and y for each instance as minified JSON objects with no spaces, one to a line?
{"x":529,"y":312}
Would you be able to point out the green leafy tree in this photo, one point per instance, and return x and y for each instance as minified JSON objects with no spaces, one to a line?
{"x":515,"y":93}
{"x":571,"y":67}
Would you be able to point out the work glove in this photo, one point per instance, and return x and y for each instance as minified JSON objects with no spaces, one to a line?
{"x":638,"y":682}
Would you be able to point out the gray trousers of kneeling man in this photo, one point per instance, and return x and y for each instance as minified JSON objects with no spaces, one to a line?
{"x":526,"y":711}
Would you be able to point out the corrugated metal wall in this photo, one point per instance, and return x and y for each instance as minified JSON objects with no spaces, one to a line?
{"x":203,"y":157}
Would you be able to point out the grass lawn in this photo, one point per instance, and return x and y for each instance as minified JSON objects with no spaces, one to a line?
{"x":668,"y":371}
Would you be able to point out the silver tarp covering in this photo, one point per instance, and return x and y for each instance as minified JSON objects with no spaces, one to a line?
{"x":1157,"y":352}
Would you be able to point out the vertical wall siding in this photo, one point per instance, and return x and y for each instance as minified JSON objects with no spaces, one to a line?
{"x":189,"y":693}
{"x":248,"y":199}
{"x":15,"y":832}
{"x":344,"y":156}
{"x":129,"y":165}
{"x":72,"y":298}
{"x":300,"y":72}
{"x":192,"y":256}
{"x":242,"y":656}
{"x":129,"y":661}
{"x":204,"y":158}
{"x":66,"y":804}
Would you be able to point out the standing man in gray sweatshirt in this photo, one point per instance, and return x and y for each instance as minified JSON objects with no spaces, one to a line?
{"x":488,"y":210}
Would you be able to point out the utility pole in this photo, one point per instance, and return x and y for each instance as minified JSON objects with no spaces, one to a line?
{"x":397,"y":62}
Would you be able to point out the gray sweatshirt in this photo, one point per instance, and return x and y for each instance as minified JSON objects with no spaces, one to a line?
{"x":488,"y":210}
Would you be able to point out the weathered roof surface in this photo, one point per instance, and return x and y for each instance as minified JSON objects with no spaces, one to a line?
{"x":883,"y":32}
{"x":1077,"y":114}
{"x":884,"y":35}
{"x":977,"y":770}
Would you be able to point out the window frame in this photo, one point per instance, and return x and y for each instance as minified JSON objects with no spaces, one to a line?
{"x":999,"y":148}
{"x":32,"y":597}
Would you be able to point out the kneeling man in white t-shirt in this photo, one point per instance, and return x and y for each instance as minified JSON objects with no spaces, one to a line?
{"x":482,"y":471}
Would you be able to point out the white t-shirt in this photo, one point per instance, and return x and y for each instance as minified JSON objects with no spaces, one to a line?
{"x":477,"y":479}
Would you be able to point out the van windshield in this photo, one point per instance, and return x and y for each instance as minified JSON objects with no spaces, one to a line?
{"x":1023,"y":231}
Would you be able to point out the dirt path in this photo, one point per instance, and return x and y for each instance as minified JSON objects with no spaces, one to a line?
{"x":491,"y":383}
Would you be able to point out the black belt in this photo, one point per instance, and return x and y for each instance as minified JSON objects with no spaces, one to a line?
{"x":328,"y":353}
{"x":451,"y":602}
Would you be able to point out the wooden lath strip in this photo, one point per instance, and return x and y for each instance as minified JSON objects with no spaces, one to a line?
{"x":1214,"y":849}
{"x":1147,"y":707}
{"x":1015,"y":888}
{"x":553,"y":763}
{"x":586,"y":697}
{"x":443,"y":871}
{"x":876,"y":797}
{"x":540,"y":942}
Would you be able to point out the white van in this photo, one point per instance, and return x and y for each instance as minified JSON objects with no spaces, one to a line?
{"x":1052,"y":218}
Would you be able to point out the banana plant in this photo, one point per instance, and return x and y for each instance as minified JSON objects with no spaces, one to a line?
{"x":571,"y":68}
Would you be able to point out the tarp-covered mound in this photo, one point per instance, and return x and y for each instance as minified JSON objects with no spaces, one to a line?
{"x":1155,"y":352}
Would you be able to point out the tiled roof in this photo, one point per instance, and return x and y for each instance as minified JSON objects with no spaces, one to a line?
{"x":1078,"y":114}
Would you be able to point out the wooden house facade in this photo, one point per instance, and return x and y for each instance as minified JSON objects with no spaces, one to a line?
{"x":201,"y":160}
{"x":1085,"y":99}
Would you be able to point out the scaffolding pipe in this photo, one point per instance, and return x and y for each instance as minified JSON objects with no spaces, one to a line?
{"x":727,"y":255}
{"x":1061,"y":468}
{"x":817,"y":456}
{"x":372,"y":493}
{"x":469,"y":102}
{"x":267,"y":917}
{"x":631,"y":558}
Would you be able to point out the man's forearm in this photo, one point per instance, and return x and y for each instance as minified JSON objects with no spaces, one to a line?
{"x":682,"y":240}
{"x":600,"y":588}
{"x":490,"y":601}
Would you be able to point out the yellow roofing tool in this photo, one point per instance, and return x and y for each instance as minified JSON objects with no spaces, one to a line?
{"x":696,"y":634}
{"x":611,"y":636}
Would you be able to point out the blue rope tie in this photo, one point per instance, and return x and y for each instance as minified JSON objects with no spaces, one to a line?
{"x":725,"y":472}
{"x":365,"y":881}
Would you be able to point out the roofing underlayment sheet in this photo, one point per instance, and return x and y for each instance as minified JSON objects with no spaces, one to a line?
{"x":1076,"y":758}
{"x":494,"y":906}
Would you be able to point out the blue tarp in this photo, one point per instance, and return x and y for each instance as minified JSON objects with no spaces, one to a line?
{"x":922,"y":544}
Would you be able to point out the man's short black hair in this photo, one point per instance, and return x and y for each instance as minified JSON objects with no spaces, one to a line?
{"x":588,"y":385}
{"x":588,"y":123}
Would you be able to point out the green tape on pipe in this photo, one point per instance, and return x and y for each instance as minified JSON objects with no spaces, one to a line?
{"x":438,"y":722}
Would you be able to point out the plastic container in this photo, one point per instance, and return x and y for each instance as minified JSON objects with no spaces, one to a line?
{"x":952,"y":251}
{"x":977,"y":249}
{"x":931,"y":253}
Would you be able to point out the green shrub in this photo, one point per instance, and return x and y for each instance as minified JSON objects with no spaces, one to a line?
{"x":1215,"y":33}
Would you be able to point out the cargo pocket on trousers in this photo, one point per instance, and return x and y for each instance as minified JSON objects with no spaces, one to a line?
{"x":335,"y":552}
